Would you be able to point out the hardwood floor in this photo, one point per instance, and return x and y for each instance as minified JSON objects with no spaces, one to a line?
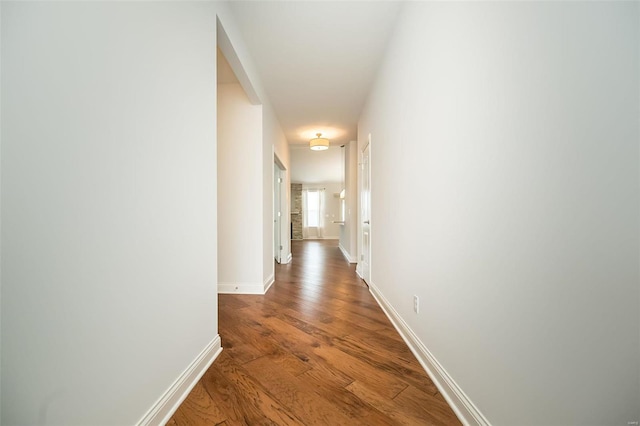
{"x":315,"y":350}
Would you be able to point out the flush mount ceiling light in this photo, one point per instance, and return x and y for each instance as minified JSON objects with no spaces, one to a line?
{"x":318,"y":143}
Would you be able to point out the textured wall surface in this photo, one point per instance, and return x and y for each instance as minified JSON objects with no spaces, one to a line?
{"x":296,"y":210}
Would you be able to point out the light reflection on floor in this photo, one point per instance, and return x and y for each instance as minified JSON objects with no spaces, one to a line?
{"x":315,"y":259}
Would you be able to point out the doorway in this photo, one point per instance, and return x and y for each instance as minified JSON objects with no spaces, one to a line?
{"x":365,"y":215}
{"x":278,"y":179}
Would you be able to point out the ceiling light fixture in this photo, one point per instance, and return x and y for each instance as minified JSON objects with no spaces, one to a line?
{"x":318,"y":143}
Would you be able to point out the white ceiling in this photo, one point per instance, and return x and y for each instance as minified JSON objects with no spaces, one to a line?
{"x":316,"y":166}
{"x":317,"y":60}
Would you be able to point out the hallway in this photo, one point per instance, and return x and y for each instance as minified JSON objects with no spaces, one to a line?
{"x":316,"y":349}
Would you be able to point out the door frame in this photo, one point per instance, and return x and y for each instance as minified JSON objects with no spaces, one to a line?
{"x":279,"y":212}
{"x":279,"y":192}
{"x":364,"y":274}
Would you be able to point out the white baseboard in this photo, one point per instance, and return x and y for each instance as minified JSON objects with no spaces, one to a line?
{"x":241,"y":288}
{"x":169,"y":402}
{"x":466,"y":411}
{"x":346,"y":255}
{"x":268,"y":283}
{"x":289,"y":258}
{"x":246,"y":288}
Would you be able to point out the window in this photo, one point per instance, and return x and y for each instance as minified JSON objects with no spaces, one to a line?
{"x":313,"y":209}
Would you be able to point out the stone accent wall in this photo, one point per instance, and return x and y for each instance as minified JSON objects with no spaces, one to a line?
{"x":296,"y":211}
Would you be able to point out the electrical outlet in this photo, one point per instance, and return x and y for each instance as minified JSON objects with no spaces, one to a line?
{"x":416,"y":304}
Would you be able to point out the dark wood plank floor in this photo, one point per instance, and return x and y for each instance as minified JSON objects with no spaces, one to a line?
{"x":315,"y":350}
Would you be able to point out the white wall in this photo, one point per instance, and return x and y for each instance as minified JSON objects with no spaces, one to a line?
{"x":239,"y":189}
{"x":348,"y":232}
{"x":274,"y":143}
{"x":108,"y":205}
{"x":273,"y":140}
{"x":505,"y":194}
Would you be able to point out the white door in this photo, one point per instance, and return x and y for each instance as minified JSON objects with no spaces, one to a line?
{"x":365,"y":203}
{"x":277,"y":213}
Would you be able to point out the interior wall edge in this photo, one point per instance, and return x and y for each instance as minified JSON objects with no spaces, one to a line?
{"x":169,"y":402}
{"x":461,"y":404}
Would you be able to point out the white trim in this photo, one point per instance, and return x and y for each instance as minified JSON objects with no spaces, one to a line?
{"x":346,"y":255}
{"x":268,"y":283}
{"x":289,"y":258}
{"x":168,"y":403}
{"x":466,"y":411}
{"x":246,"y":288}
{"x":360,"y":231}
{"x":241,"y":288}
